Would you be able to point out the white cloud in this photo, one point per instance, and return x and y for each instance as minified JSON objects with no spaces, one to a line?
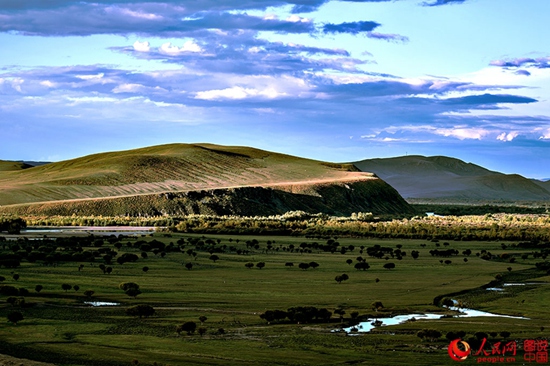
{"x":48,"y":84}
{"x":90,"y":77}
{"x":170,"y":50}
{"x":507,"y":136}
{"x":138,"y":14}
{"x":141,"y":46}
{"x":297,"y":19}
{"x":238,"y":92}
{"x":128,"y":88}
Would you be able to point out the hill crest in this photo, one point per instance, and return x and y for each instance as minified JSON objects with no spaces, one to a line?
{"x":440,"y":177}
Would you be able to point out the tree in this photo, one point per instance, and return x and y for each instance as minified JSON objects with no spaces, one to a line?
{"x":125,"y":286}
{"x":249,"y":265}
{"x":389,"y":265}
{"x":214,"y":258}
{"x":189,"y":265}
{"x":188,"y":327}
{"x":89,"y":293}
{"x":430,"y":334}
{"x":145,"y":269}
{"x":15,"y":317}
{"x":377,"y":305}
{"x":141,"y":311}
{"x":260,"y":265}
{"x":15,"y":276}
{"x":362,"y":266}
{"x":66,"y":287}
{"x":341,"y":278}
{"x":340,"y":312}
{"x":349,"y":261}
{"x":38,"y":288}
{"x":289,"y":264}
{"x":202,"y":331}
{"x":76,"y":287}
{"x":313,"y":265}
{"x":202,"y":318}
{"x":303,"y":266}
{"x":133,"y":292}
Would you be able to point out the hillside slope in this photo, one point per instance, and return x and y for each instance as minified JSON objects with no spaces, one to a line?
{"x":138,"y":181}
{"x":440,"y":177}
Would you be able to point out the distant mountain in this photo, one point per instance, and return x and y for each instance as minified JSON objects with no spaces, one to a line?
{"x":440,"y":177}
{"x":36,"y":163}
{"x":13,"y":165}
{"x":194,"y":178}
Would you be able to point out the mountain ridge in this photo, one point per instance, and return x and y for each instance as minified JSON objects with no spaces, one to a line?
{"x":441,"y":177}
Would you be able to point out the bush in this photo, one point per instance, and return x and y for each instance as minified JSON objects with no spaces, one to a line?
{"x":15,"y":317}
{"x":141,"y":311}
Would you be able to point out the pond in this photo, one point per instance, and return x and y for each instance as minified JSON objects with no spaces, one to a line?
{"x":101,"y":303}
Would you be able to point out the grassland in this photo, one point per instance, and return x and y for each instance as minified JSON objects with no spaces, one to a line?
{"x":59,"y":328}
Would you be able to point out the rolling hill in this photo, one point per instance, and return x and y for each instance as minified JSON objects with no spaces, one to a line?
{"x":444,"y":178}
{"x":194,"y":178}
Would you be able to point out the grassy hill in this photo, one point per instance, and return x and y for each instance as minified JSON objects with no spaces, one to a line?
{"x":440,"y":177}
{"x":144,"y":176}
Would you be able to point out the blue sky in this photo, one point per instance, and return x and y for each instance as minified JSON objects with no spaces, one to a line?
{"x":324,"y":79}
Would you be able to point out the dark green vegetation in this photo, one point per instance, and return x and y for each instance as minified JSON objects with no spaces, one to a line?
{"x":181,"y":179}
{"x":450,"y":180}
{"x":223,"y":313}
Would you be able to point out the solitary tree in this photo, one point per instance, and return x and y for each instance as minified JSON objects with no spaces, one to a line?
{"x":303,"y":266}
{"x":133,"y":292}
{"x":214,"y":258}
{"x":145,"y":269}
{"x":289,"y":264}
{"x":249,"y":265}
{"x":188,"y":327}
{"x":260,"y":265}
{"x":89,"y":293}
{"x":377,"y":305}
{"x":15,"y":276}
{"x":349,"y":261}
{"x":342,"y":277}
{"x":38,"y":288}
{"x":189,"y":265}
{"x":202,"y":318}
{"x":66,"y":287}
{"x":76,"y":287}
{"x":389,"y":265}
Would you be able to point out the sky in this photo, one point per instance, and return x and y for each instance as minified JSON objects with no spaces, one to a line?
{"x":330,"y":80}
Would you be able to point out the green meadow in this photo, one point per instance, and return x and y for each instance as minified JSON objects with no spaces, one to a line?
{"x":58,"y":327}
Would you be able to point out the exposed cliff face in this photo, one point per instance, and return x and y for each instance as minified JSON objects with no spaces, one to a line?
{"x":337,"y":198}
